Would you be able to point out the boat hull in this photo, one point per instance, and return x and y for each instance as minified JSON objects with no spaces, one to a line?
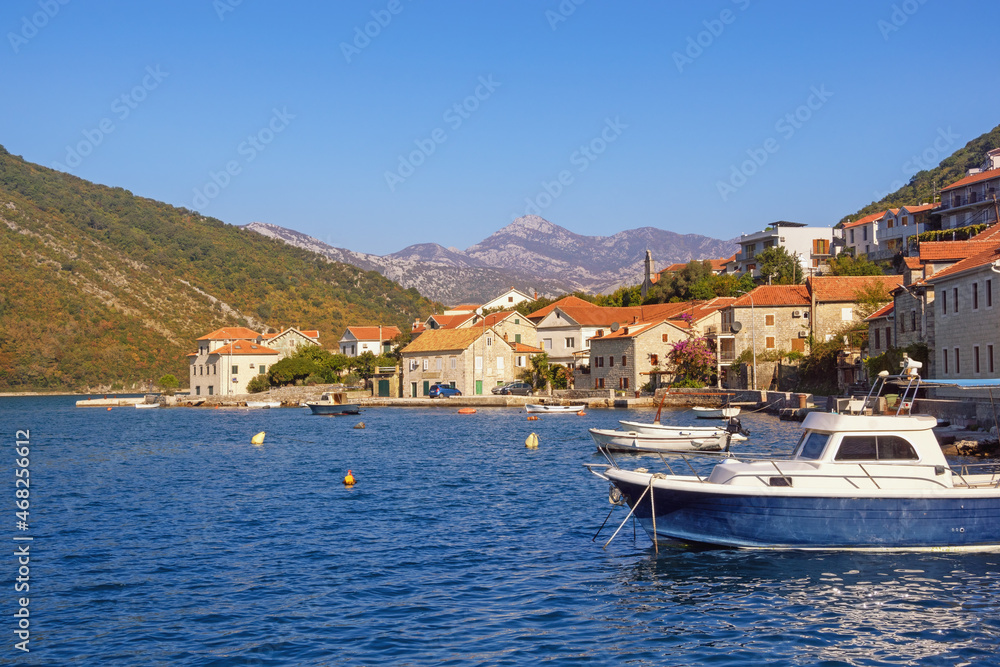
{"x":346,"y":409}
{"x":716,"y":413}
{"x":555,"y":409}
{"x":673,"y":431}
{"x":952,"y":519}
{"x":630,"y":441}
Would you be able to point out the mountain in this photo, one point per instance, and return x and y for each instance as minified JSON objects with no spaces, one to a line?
{"x":530,"y":253}
{"x":924,"y":185}
{"x":107,"y":291}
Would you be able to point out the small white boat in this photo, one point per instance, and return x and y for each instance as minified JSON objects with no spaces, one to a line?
{"x":333,"y":403}
{"x":145,"y":406}
{"x":668,"y":431}
{"x":538,"y":407}
{"x":631,"y":441}
{"x":716,"y":413}
{"x":263,"y":404}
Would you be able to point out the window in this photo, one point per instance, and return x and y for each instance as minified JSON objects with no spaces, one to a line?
{"x":975,"y":296}
{"x":599,"y":362}
{"x":958,"y":362}
{"x":624,"y":360}
{"x":913,"y":320}
{"x":664,"y":338}
{"x":906,"y":220}
{"x":546,"y":343}
{"x":479,"y":363}
{"x":864,"y":233}
{"x":989,"y":293}
{"x":500,"y":364}
{"x":944,"y":359}
{"x":510,"y":299}
{"x":751,"y":267}
{"x":888,"y":223}
{"x":600,"y":383}
{"x":811,"y":445}
{"x":611,"y":361}
{"x":654,"y":359}
{"x":454,"y":363}
{"x":211,"y":390}
{"x":769,"y":320}
{"x":878,"y":339}
{"x":517,"y":338}
{"x":975,"y":358}
{"x":623,"y":383}
{"x":425,"y":364}
{"x":570,"y":343}
{"x":902,"y":325}
{"x":875,"y":448}
{"x":438,"y":363}
{"x":944,"y":302}
{"x":413,"y":365}
{"x":954,"y":294}
{"x":519,"y":361}
{"x":197,"y":391}
{"x":989,"y":357}
{"x":489,"y":341}
{"x":846,"y":314}
{"x":236,"y":370}
{"x":262,"y":369}
{"x":769,"y":342}
{"x":517,"y":320}
{"x":821,"y":247}
{"x":852,"y":237}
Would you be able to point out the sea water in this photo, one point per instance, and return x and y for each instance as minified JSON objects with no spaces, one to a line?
{"x":166,"y":537}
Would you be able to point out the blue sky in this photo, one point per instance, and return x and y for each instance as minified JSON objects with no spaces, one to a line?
{"x":376,"y":125}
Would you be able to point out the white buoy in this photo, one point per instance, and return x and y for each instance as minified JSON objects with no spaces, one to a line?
{"x":531,"y":442}
{"x":258,"y":439}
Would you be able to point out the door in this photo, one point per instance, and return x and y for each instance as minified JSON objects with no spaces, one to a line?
{"x":798,"y":345}
{"x":413,"y":389}
{"x":427,"y":387}
{"x":383,"y":388}
{"x":479,"y":387}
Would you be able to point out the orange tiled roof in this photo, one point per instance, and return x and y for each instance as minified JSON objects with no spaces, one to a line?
{"x":565,"y":301}
{"x":844,"y":288}
{"x":633,"y":330}
{"x":775,"y":295}
{"x":310,"y":333}
{"x":597,"y":316}
{"x":912,"y":263}
{"x":231,"y":333}
{"x":466,"y":308}
{"x":244,"y":347}
{"x":868,"y":218}
{"x":953,"y":251}
{"x":973,"y":178}
{"x":982,"y":258}
{"x":720,"y":264}
{"x":921,"y":207}
{"x":372,"y":333}
{"x":452,"y":321}
{"x":441,"y":340}
{"x":495,"y":318}
{"x":884,"y":311}
{"x":530,"y":349}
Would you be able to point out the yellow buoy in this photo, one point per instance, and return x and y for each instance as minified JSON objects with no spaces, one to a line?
{"x":258,"y":439}
{"x":531,"y":442}
{"x":349,"y":479}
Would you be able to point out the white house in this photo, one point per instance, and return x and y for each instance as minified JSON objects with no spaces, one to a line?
{"x":811,"y":245}
{"x":508,"y":300}
{"x":226,"y":361}
{"x":861,"y":236}
{"x":375,"y":339}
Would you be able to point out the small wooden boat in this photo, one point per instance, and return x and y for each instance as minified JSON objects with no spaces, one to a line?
{"x":541,"y":407}
{"x":333,"y":403}
{"x":716,"y":413}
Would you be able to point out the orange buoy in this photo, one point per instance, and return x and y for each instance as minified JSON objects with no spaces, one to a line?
{"x":349,"y":479}
{"x":467,"y":411}
{"x":532,"y":418}
{"x":109,"y":409}
{"x":581,"y":413}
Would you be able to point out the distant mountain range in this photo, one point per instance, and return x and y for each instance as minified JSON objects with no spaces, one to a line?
{"x":531,"y":254}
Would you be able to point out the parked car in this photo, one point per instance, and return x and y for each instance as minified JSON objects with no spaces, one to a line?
{"x":516,"y":389}
{"x":443,"y":391}
{"x":499,"y":388}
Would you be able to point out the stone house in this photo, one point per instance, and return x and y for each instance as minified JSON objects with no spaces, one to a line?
{"x":291,"y":340}
{"x":833,"y":301}
{"x":880,"y":325}
{"x":226,"y":360}
{"x":511,"y":325}
{"x":376,"y":339}
{"x":473,"y":360}
{"x":624,"y":359}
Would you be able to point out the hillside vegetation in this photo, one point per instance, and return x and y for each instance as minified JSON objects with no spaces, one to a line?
{"x":105,"y":290}
{"x":924,"y":185}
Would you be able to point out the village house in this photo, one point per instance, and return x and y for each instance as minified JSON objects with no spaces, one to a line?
{"x":508,"y":300}
{"x":376,"y":339}
{"x":226,"y":360}
{"x":971,"y":200}
{"x":833,"y":300}
{"x":811,"y":245}
{"x":880,"y":324}
{"x":291,"y":340}
{"x":861,"y":236}
{"x":473,"y":360}
{"x":625,"y":358}
{"x":510,"y":325}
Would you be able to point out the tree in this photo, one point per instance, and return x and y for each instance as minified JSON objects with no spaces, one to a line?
{"x":292,"y":369}
{"x":539,"y":373}
{"x":168,"y":383}
{"x":776,"y":265}
{"x":693,"y":361}
{"x":258,"y":383}
{"x":621,"y":298}
{"x":846,"y":264}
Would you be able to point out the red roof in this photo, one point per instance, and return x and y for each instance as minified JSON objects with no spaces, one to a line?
{"x":495,"y":318}
{"x":884,"y":311}
{"x":973,"y":178}
{"x":775,"y":295}
{"x":720,"y":264}
{"x":452,"y":321}
{"x":597,"y":316}
{"x":565,"y":301}
{"x":845,"y":288}
{"x":244,"y":347}
{"x":921,"y":207}
{"x":984,"y":257}
{"x":953,"y":251}
{"x":912,"y":263}
{"x":521,"y":347}
{"x":372,"y":333}
{"x":865,"y":220}
{"x":629,"y":330}
{"x":231,"y":333}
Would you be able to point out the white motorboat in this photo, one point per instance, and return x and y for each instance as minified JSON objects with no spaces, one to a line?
{"x":146,"y":406}
{"x":263,"y":404}
{"x":670,"y":431}
{"x":631,"y":441}
{"x":333,"y":403}
{"x":543,"y":407}
{"x":716,"y":413}
{"x":853,"y":482}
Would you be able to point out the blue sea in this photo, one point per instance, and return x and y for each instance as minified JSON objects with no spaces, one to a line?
{"x":164,"y":537}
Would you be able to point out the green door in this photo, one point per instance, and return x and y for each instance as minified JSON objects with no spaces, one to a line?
{"x":427,"y":387}
{"x":479,"y":387}
{"x":383,"y":388}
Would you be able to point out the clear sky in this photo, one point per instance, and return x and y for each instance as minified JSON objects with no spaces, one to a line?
{"x":376,"y":125}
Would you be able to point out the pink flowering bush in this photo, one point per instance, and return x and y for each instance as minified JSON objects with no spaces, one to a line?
{"x":693,"y":361}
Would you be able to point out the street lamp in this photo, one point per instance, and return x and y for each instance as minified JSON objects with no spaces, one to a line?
{"x":753,"y":336}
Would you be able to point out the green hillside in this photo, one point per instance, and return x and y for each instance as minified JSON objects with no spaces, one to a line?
{"x":103,"y":289}
{"x":924,"y":184}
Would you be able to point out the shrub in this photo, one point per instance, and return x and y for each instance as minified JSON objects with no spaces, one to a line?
{"x":258,"y":383}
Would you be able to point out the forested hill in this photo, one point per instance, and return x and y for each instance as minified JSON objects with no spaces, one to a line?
{"x":103,"y":289}
{"x":924,"y":184}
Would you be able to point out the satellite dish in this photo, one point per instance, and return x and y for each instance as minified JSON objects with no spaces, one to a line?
{"x":614,"y":327}
{"x":736,"y":327}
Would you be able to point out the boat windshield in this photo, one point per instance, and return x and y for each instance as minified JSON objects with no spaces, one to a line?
{"x":811,"y":445}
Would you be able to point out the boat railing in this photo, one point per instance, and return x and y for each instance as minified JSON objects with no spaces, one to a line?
{"x":969,"y":469}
